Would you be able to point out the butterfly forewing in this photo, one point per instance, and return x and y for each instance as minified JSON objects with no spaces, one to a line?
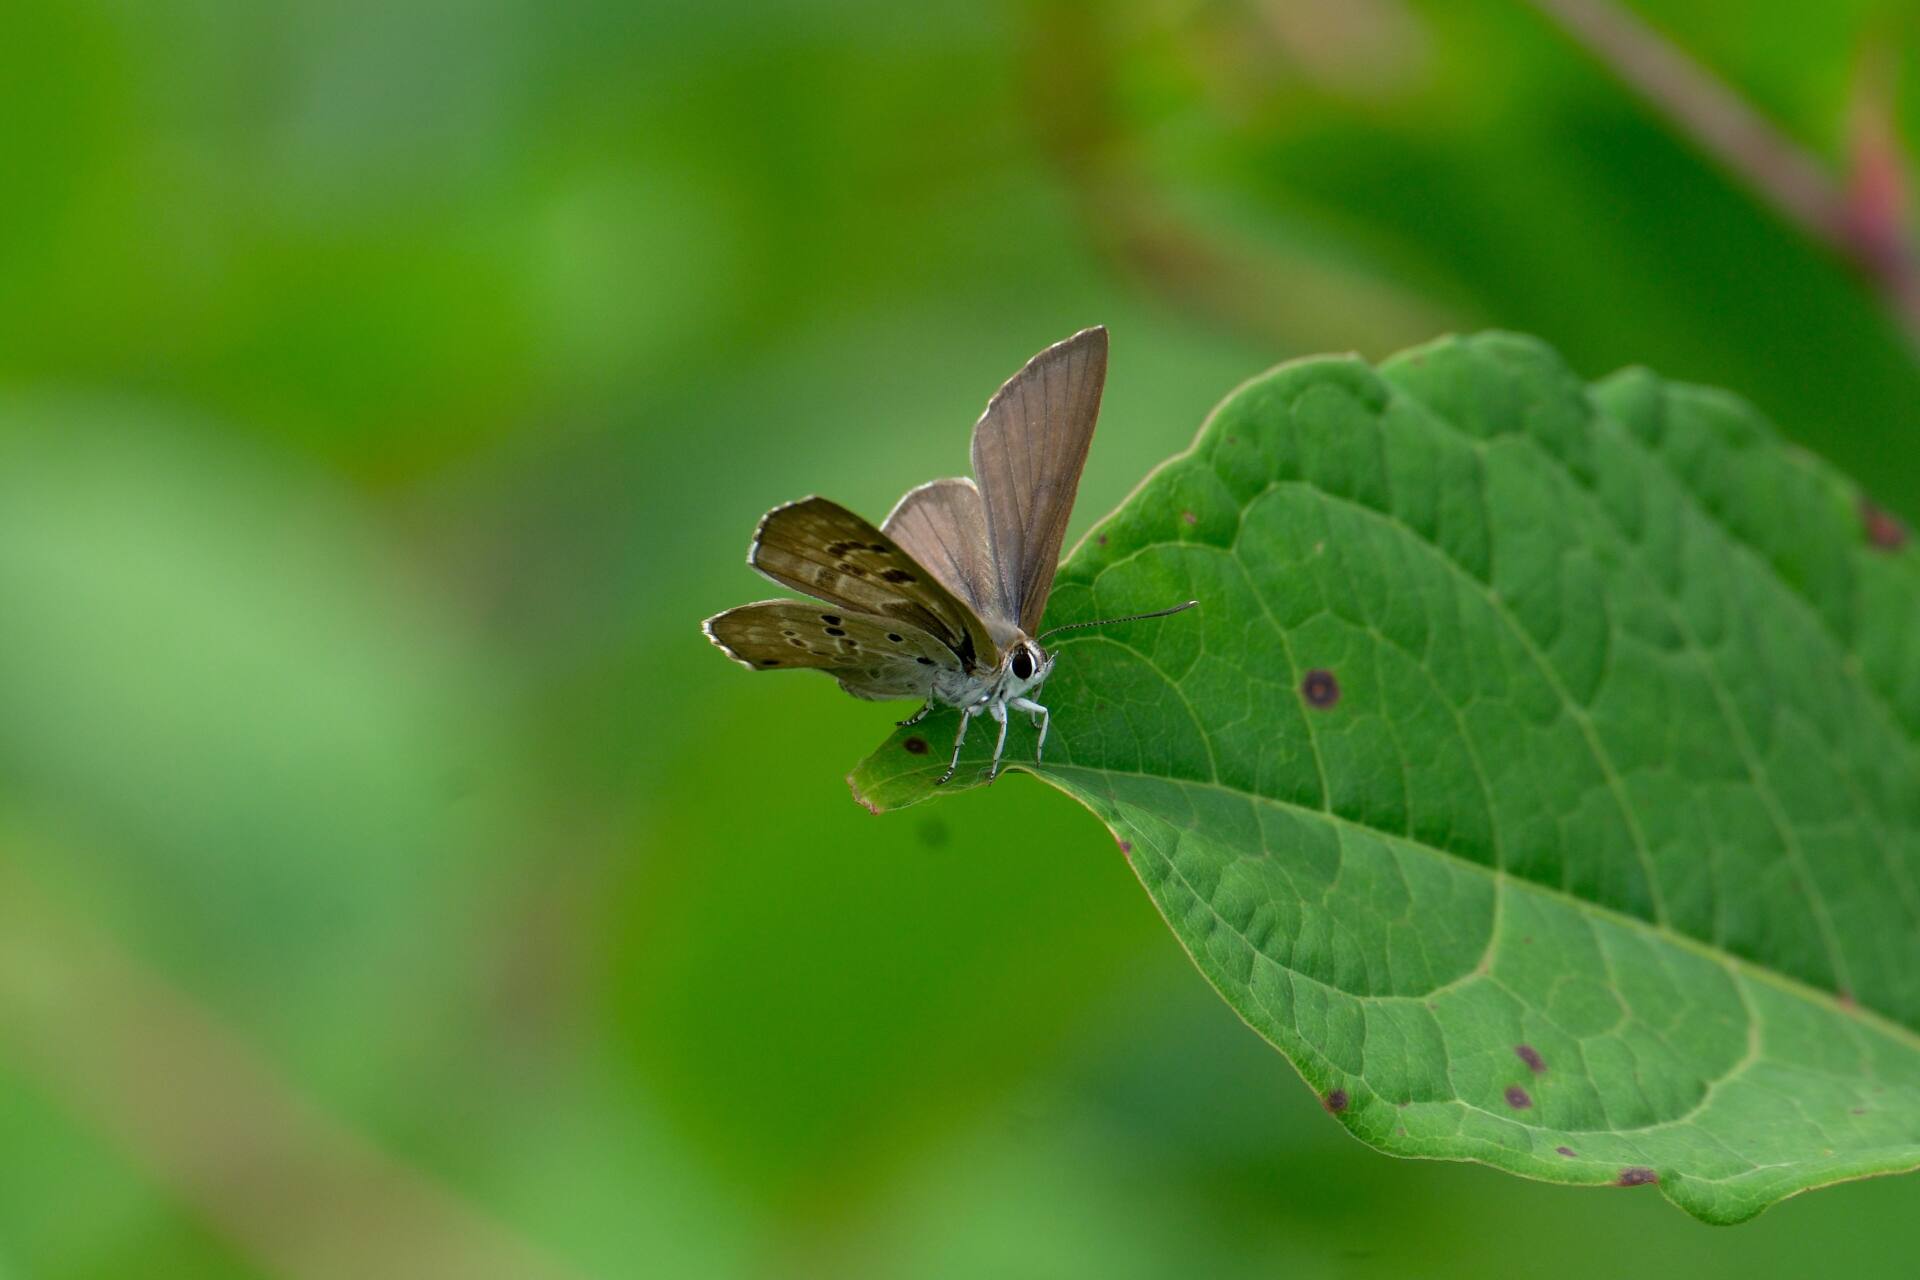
{"x":1028,"y":451}
{"x":821,"y":548}
{"x":872,"y":657}
{"x":943,"y":525}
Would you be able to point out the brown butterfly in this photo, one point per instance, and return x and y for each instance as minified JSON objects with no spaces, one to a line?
{"x":943,"y":600}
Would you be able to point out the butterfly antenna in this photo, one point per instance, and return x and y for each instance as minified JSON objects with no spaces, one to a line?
{"x":1132,"y":617}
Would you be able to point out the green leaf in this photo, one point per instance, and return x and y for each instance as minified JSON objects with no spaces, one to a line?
{"x":1538,"y":774}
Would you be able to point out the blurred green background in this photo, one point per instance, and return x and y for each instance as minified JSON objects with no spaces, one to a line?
{"x":394,"y":882}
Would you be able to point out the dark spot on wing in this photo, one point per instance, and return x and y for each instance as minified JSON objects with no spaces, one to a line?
{"x":1336,"y":1102}
{"x":835,"y":631}
{"x":1189,"y":517}
{"x":769,"y":662}
{"x":925,"y":662}
{"x":915,"y":746}
{"x":838,"y":549}
{"x":880,"y":547}
{"x":896,"y":575}
{"x":1517,"y":1098}
{"x":831,"y":619}
{"x":1883,"y":528}
{"x":1531,"y":1056}
{"x":1637,"y":1176}
{"x":897,"y":639}
{"x":1568,"y":1152}
{"x":1320,"y":689}
{"x":851,"y":570}
{"x":797,"y":642}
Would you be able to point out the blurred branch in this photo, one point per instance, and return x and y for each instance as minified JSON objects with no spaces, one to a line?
{"x":1784,"y":174}
{"x":1281,"y":296}
{"x":298,"y":1194}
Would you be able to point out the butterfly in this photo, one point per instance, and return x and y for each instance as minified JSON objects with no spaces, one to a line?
{"x":943,"y":601}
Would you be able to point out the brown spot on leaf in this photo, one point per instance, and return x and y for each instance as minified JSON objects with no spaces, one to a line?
{"x":1320,"y":689}
{"x":1189,"y":517}
{"x":1517,"y":1098}
{"x":1126,"y":847}
{"x":1531,"y":1056}
{"x":1102,"y":539}
{"x":1336,"y":1102}
{"x":1568,"y":1152}
{"x":1845,"y":997}
{"x":915,"y":746}
{"x":1882,"y":527}
{"x":1637,"y":1176}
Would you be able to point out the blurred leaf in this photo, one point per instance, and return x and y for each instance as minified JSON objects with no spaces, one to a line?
{"x":1538,"y":776}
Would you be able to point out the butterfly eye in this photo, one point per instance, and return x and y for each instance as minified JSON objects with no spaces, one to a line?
{"x":1022,"y":665}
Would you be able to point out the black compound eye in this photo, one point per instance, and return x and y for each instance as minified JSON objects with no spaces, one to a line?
{"x":1022,"y":665}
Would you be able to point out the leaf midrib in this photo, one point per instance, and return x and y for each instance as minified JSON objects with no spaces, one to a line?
{"x":1703,"y":657}
{"x":1737,"y":964}
{"x":1658,"y":927}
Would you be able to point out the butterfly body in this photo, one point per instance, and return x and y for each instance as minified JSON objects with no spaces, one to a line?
{"x":942,"y":601}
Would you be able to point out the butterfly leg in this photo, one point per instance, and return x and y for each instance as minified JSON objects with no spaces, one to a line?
{"x":966,"y":718}
{"x":998,"y":710}
{"x":1042,"y":720}
{"x":917,"y":716}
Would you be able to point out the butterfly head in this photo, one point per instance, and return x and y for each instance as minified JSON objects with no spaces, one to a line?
{"x":1026,"y":665}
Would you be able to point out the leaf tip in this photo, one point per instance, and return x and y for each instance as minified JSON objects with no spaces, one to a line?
{"x":859,"y":797}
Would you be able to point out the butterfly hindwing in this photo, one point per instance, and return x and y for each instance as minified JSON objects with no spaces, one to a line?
{"x":943,"y":525}
{"x":824,"y":550}
{"x":872,"y":657}
{"x":1028,"y":450}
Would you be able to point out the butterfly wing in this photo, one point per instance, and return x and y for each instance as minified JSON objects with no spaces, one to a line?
{"x":943,"y":525}
{"x":1028,"y":450}
{"x":871,"y":657}
{"x":825,"y":550}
